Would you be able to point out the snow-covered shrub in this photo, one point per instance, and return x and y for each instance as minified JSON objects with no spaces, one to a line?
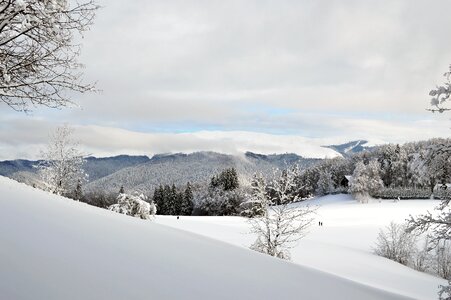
{"x":445,"y":291}
{"x":422,"y":259}
{"x":99,"y":198}
{"x":396,"y":243}
{"x":403,"y":193}
{"x":134,"y":205}
{"x":217,"y":202}
{"x":261,"y":246}
{"x":443,"y":194}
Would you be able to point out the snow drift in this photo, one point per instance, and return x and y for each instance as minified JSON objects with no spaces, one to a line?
{"x":55,"y":248}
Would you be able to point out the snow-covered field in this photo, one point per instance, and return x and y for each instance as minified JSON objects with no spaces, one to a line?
{"x":55,"y":248}
{"x":343,"y":246}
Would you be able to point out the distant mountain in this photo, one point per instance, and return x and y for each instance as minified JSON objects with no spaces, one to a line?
{"x":349,"y":148}
{"x":144,"y":173}
{"x":8,"y":167}
{"x":196,"y":167}
{"x":24,"y":170}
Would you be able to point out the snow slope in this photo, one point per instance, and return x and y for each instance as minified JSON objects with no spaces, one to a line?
{"x":343,"y":246}
{"x":55,"y":248}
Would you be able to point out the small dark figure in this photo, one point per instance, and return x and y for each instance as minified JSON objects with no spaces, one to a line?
{"x":319,"y":223}
{"x":178,"y":217}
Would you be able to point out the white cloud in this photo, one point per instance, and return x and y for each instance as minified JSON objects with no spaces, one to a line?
{"x":171,"y":66}
{"x":25,"y":139}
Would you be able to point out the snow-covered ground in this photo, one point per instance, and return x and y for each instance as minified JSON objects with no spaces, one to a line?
{"x":343,"y":246}
{"x":55,"y":248}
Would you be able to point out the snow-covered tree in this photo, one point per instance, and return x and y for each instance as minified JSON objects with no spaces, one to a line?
{"x":418,"y":170}
{"x":78,"y":192}
{"x":38,"y":51}
{"x":134,"y":205}
{"x":386,"y":154}
{"x":62,"y":166}
{"x":307,"y":182}
{"x":441,"y":94}
{"x":365,"y":180}
{"x":255,"y":204}
{"x":325,"y":183}
{"x":399,"y":167}
{"x":227,"y":180}
{"x":281,"y":226}
{"x":285,"y":186}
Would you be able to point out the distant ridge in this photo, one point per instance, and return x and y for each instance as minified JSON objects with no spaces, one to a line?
{"x":144,"y":173}
{"x":196,"y":167}
{"x":350,"y":148}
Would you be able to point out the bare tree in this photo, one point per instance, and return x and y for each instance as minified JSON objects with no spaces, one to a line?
{"x":439,"y":224}
{"x":38,"y":52}
{"x":281,"y":226}
{"x":62,"y":167}
{"x":443,"y":259}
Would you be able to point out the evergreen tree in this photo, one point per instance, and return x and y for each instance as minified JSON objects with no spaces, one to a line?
{"x":158,"y":199}
{"x":227,"y":180}
{"x":167,"y":200}
{"x":178,"y":203}
{"x":171,"y":200}
{"x":188,"y":205}
{"x":230,"y":180}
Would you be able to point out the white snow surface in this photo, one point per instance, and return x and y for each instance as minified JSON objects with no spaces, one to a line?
{"x":343,"y":246}
{"x":56,"y":248}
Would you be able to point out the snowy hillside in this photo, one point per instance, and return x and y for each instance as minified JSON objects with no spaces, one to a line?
{"x":343,"y":246}
{"x":54,"y":248}
{"x":350,"y":148}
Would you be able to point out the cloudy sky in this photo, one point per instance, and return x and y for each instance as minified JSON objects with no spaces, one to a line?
{"x":266,"y":76}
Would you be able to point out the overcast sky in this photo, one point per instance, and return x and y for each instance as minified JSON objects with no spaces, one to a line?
{"x":266,"y":76}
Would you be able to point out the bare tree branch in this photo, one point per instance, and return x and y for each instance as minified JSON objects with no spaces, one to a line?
{"x":38,"y":56}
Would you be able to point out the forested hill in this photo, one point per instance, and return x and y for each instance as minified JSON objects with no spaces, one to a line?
{"x":25,"y":170}
{"x":196,"y":167}
{"x":142,"y":172}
